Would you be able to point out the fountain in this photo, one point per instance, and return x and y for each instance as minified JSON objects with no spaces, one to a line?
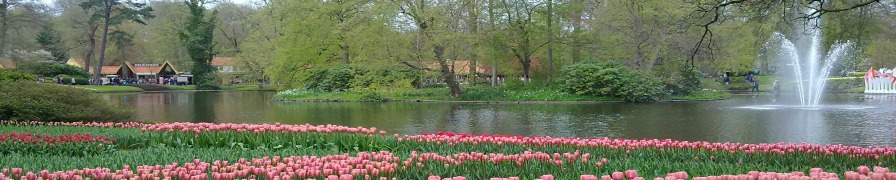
{"x":801,"y":70}
{"x":808,"y":69}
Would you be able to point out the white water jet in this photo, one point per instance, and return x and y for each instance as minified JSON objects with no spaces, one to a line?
{"x":809,"y":70}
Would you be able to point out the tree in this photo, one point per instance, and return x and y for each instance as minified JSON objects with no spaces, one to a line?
{"x":522,"y":32}
{"x":233,"y":27}
{"x":714,"y":12}
{"x":4,"y":24}
{"x":434,"y":27}
{"x":114,"y":12}
{"x":198,"y":35}
{"x":49,"y":40}
{"x":18,"y":21}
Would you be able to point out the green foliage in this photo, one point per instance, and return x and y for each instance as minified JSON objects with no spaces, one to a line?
{"x":29,"y":101}
{"x":610,"y":79}
{"x":541,"y":93}
{"x":679,"y":79}
{"x":384,"y":78}
{"x":373,"y":96}
{"x":13,"y":76}
{"x":53,"y":69}
{"x":330,"y":79}
{"x":360,"y":78}
{"x":49,"y":40}
{"x":198,"y":36}
{"x":844,"y":84}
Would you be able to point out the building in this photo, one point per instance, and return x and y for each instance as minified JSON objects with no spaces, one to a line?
{"x":147,"y":70}
{"x":224,"y":64}
{"x":7,"y":64}
{"x":461,"y":69}
{"x":76,"y":62}
{"x":107,"y":71}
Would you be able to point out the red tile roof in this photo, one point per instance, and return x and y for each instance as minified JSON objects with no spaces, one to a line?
{"x":7,"y":63}
{"x":461,"y":67}
{"x":221,"y":61}
{"x":108,"y":70}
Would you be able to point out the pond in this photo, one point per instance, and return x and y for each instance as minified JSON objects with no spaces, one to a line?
{"x":850,"y":119}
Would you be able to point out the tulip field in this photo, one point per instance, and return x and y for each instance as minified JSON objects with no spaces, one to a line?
{"x":35,"y":150}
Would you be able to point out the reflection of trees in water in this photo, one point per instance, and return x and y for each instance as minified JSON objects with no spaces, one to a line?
{"x":204,"y":104}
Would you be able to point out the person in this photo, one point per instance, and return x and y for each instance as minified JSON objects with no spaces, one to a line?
{"x":727,"y":80}
{"x":73,"y":81}
{"x":776,"y":88}
{"x":755,"y":83}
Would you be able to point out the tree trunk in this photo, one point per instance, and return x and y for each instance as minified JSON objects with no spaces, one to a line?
{"x":446,"y":72}
{"x":107,"y":14}
{"x":345,"y":54}
{"x":526,"y":61}
{"x":550,"y":41}
{"x":474,"y":28}
{"x":491,"y":22}
{"x":576,"y":16}
{"x":91,"y":47}
{"x":4,"y":22}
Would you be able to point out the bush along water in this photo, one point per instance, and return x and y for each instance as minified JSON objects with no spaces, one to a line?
{"x":280,"y":151}
{"x":610,"y":79}
{"x":55,"y":103}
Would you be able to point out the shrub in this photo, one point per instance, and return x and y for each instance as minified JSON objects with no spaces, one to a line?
{"x":609,"y":79}
{"x":30,"y":101}
{"x":377,"y":78}
{"x":686,"y":82}
{"x":330,"y":79}
{"x":67,"y":79}
{"x":13,"y":76}
{"x":344,"y":78}
{"x":844,"y":84}
{"x":53,"y":69}
{"x":372,"y":96}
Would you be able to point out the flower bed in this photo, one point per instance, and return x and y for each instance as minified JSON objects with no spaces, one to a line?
{"x":68,"y":144}
{"x":278,"y":151}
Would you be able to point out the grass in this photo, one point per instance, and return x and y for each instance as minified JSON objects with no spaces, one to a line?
{"x":103,"y":89}
{"x":152,"y":87}
{"x":474,"y":93}
{"x":705,"y":94}
{"x":160,"y":148}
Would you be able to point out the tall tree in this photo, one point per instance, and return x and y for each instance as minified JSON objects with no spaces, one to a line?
{"x":523,"y":32}
{"x":49,"y":40}
{"x":20,"y":21}
{"x":434,"y":24}
{"x":78,"y":29}
{"x":550,"y":40}
{"x":114,"y":12}
{"x":198,"y":35}
{"x":4,"y":24}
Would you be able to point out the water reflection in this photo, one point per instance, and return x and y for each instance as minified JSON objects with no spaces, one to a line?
{"x":851,"y":119}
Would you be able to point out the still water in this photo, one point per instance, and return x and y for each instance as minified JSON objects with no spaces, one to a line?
{"x":849,"y":119}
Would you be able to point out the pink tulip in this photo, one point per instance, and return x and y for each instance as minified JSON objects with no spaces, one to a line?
{"x":631,"y":174}
{"x":547,"y":177}
{"x":617,"y":175}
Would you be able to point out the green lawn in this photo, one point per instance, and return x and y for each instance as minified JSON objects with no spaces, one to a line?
{"x":475,"y":93}
{"x":108,"y":89}
{"x":103,"y":89}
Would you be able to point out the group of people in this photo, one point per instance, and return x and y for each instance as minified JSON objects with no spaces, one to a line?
{"x":750,"y":79}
